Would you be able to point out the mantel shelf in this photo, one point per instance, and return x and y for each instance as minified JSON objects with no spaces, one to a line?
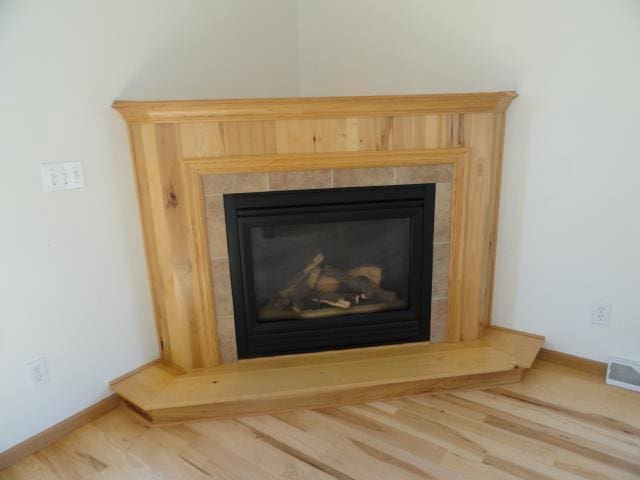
{"x":165,"y":394}
{"x":311,"y":107}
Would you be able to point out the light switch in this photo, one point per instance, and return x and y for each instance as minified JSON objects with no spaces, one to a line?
{"x":62,"y":176}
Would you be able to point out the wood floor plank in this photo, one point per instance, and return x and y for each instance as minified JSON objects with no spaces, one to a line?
{"x":233,"y":436}
{"x":494,"y":440}
{"x":337,"y":453}
{"x":557,"y":424}
{"x":388,"y":434}
{"x":160,"y":457}
{"x":558,"y":419}
{"x":428,"y":431}
{"x":581,"y":394}
{"x":505,"y":450}
{"x":309,"y":451}
{"x":202,"y":451}
{"x":476,"y":470}
{"x":590,"y":468}
{"x":627,"y":459}
{"x":29,"y":468}
{"x":347,"y":436}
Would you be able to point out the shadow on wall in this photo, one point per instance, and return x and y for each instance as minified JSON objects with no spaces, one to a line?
{"x":514,"y":187}
{"x":220,"y":54}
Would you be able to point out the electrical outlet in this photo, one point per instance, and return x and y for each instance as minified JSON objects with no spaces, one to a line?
{"x":62,"y":176}
{"x":601,"y":313}
{"x":38,"y":372}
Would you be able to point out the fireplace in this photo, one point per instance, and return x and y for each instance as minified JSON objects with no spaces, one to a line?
{"x":353,"y":265}
{"x":330,"y":268}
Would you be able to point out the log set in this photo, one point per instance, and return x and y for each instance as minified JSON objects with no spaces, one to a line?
{"x":318,"y":285}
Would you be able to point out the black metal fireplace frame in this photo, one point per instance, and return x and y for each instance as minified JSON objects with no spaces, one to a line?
{"x":246,"y":210}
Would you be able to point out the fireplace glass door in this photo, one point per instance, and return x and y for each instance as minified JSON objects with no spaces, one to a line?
{"x":326,"y":269}
{"x":330,"y":268}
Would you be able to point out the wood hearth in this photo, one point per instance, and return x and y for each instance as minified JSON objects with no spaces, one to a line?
{"x":189,"y":154}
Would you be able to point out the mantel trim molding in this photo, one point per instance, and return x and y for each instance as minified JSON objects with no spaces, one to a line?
{"x":311,"y":107}
{"x":202,"y":274}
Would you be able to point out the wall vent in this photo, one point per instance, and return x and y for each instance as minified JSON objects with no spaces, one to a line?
{"x":624,"y":373}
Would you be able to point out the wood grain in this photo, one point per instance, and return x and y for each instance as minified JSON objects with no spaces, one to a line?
{"x":524,"y":347}
{"x":59,"y":430}
{"x":174,"y":255}
{"x":573,"y":361}
{"x":482,"y":169}
{"x":175,"y":144}
{"x":151,"y":241}
{"x":324,"y":161}
{"x":319,"y":107}
{"x":558,"y":423}
{"x":328,"y":378}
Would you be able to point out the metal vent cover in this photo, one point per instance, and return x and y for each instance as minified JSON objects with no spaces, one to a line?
{"x":624,"y":373}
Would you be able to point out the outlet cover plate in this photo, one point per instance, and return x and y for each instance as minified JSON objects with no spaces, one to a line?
{"x":38,"y":372}
{"x":601,"y":313}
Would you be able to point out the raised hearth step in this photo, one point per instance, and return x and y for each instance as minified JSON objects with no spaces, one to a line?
{"x":164,"y":394}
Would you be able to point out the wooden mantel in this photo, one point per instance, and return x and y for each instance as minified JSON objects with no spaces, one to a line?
{"x":315,"y":107}
{"x":176,"y":144}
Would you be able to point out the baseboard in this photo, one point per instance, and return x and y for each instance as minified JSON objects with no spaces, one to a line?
{"x":50,"y":435}
{"x":41,"y":440}
{"x":578,"y":363}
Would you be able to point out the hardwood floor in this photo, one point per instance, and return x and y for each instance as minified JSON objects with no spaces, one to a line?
{"x":559,"y":423}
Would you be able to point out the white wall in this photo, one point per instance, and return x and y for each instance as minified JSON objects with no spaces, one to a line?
{"x":73,"y":284}
{"x":569,"y":222}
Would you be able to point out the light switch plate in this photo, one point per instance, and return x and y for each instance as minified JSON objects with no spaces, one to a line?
{"x":62,"y":176}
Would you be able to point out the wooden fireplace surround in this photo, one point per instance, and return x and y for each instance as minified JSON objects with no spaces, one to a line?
{"x":174,"y":144}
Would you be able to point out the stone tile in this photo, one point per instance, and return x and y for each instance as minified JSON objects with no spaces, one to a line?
{"x":363,"y":177}
{"x":216,"y":227}
{"x":227,"y":339}
{"x":425,"y":174}
{"x":214,"y":206}
{"x":442,"y":231}
{"x":222,"y":287}
{"x":439,"y":320}
{"x":440,"y":287}
{"x":234,"y":183}
{"x":300,"y":180}
{"x":217,"y":236}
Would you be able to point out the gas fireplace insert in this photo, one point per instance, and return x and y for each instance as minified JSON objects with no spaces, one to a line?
{"x":330,"y":269}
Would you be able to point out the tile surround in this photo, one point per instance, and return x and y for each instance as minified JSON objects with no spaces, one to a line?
{"x":227,"y":337}
{"x":300,"y":180}
{"x":442,"y":224}
{"x":364,"y":177}
{"x":429,"y":174}
{"x":440,"y":287}
{"x":222,"y":287}
{"x":214,"y":186}
{"x":439,"y":313}
{"x":216,"y":228}
{"x":234,"y":183}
